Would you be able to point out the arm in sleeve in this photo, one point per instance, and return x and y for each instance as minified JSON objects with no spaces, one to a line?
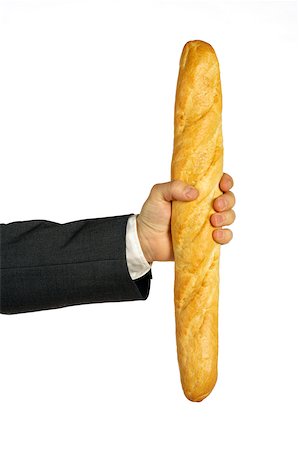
{"x":45,"y":265}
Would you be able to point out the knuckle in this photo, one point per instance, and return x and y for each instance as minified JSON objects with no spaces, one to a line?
{"x":155,"y":187}
{"x":230,"y":179}
{"x":228,"y":233}
{"x":226,"y":237}
{"x":231,"y":216}
{"x":232,"y":196}
{"x":177,"y":183}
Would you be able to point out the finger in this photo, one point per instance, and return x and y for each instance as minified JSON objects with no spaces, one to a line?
{"x":225,"y":218}
{"x":224,"y":202}
{"x":222,"y":236}
{"x":226,"y":182}
{"x":174,"y":190}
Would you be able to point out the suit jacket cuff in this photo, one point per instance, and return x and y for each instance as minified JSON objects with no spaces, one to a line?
{"x":137,"y":264}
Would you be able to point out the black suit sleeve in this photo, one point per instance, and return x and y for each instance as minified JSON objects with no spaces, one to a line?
{"x":46,"y":265}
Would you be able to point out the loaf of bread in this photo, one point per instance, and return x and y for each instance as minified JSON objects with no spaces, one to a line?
{"x":197,"y":160}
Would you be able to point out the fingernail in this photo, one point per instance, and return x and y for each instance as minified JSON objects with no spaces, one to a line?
{"x":190,"y":192}
{"x":221,"y":204}
{"x":219,"y":220}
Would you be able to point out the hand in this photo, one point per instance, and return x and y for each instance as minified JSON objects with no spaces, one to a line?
{"x":153,"y":222}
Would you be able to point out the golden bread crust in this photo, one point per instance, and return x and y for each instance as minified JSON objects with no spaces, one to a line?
{"x":197,"y":160}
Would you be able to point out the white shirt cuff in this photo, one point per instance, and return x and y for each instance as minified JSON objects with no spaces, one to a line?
{"x":137,"y":264}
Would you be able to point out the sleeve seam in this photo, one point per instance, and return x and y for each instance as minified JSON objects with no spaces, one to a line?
{"x":60,"y":264}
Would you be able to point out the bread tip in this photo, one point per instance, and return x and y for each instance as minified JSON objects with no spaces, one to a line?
{"x":197,"y":398}
{"x":199,"y":394}
{"x":198,"y":47}
{"x":198,"y":42}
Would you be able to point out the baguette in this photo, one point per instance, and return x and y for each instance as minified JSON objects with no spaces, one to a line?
{"x":197,"y":160}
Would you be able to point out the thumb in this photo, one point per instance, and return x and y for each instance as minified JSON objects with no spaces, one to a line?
{"x":174,"y":190}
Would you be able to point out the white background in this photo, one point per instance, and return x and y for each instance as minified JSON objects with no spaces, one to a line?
{"x":87,"y":95}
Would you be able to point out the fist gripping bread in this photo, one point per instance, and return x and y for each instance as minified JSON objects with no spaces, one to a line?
{"x":197,"y":160}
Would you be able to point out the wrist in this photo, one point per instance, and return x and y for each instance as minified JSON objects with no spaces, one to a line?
{"x":144,"y":242}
